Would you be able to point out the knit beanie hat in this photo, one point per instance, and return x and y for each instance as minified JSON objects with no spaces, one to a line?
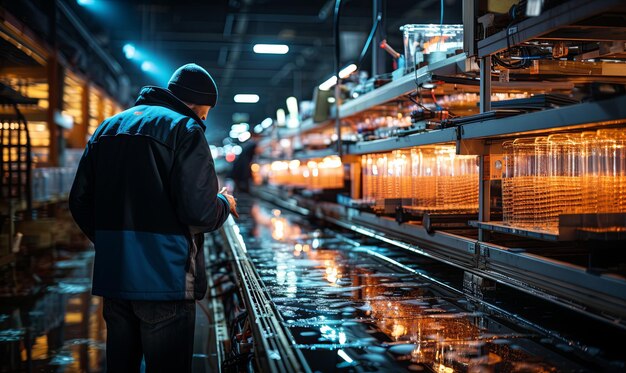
{"x":193,"y":84}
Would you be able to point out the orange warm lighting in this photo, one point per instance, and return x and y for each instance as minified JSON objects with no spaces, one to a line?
{"x":428,"y":178}
{"x":578,"y":173}
{"x":326,"y":173}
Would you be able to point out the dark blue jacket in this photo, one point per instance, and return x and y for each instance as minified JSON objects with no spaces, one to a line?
{"x":145,"y":184}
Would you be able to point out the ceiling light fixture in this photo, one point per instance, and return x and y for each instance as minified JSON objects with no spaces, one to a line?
{"x":270,"y":48}
{"x":246,"y":98}
{"x":129,"y":51}
{"x":292,"y":107}
{"x":328,"y":83}
{"x":280,"y":117}
{"x":267,"y":122}
{"x":343,"y":73}
{"x":244,"y":136}
{"x":346,"y":71}
{"x":240,"y":127}
{"x":148,"y":67}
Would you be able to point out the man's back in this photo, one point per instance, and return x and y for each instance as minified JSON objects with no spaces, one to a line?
{"x":144,"y":191}
{"x":142,"y":183}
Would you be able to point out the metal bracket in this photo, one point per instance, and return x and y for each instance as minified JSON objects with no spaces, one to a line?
{"x":482,"y":256}
{"x":477,"y":286}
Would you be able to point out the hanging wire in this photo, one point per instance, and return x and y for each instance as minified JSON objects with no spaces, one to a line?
{"x":440,"y":27}
{"x":338,"y":83}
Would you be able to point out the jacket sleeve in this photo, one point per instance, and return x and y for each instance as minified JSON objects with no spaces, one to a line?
{"x":81,"y":199}
{"x":195,"y":186}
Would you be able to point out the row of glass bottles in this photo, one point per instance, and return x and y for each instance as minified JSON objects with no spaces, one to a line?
{"x":547,"y":176}
{"x":433,"y":179}
{"x":324,"y":174}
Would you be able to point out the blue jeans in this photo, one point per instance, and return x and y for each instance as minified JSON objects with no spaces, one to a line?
{"x":161,"y":332}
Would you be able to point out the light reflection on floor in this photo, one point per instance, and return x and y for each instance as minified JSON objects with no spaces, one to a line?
{"x":346,"y":310}
{"x":59,"y":329}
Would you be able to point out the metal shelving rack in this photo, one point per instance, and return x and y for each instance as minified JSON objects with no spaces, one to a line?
{"x":601,"y":296}
{"x":445,"y":135}
{"x":404,"y":85}
{"x":15,"y":166}
{"x":574,"y":19}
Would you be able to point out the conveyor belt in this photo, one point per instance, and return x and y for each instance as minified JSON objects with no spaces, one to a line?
{"x":273,"y":343}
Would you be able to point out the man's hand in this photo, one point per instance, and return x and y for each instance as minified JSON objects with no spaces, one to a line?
{"x":232,"y":201}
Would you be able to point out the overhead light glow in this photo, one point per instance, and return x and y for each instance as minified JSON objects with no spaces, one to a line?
{"x":129,"y":51}
{"x":347,"y":70}
{"x":343,"y":73}
{"x":240,"y":127}
{"x":267,"y":122}
{"x":345,"y":356}
{"x":258,"y":128}
{"x":148,"y":67}
{"x":85,"y":2}
{"x":270,"y":48}
{"x":243,"y":137}
{"x":285,"y":143}
{"x":328,"y":83}
{"x":280,"y":117}
{"x":292,"y":106}
{"x":245,"y":98}
{"x":293,"y":121}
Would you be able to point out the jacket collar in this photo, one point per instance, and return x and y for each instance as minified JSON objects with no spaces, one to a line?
{"x":157,"y":96}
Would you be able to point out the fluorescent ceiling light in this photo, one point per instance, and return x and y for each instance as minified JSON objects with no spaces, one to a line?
{"x":148,"y":66}
{"x":244,"y":136}
{"x":292,"y":106}
{"x":343,"y":73}
{"x":328,"y":83}
{"x":270,"y":48}
{"x":244,"y":98}
{"x":240,"y":127}
{"x":267,"y":122}
{"x":129,"y":51}
{"x":347,"y":70}
{"x":345,"y":356}
{"x":280,"y":117}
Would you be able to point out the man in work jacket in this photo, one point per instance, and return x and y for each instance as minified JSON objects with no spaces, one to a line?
{"x":145,"y":186}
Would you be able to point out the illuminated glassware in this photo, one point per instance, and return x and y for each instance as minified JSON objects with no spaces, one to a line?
{"x":507,"y":182}
{"x":546,"y":177}
{"x":564,"y":187}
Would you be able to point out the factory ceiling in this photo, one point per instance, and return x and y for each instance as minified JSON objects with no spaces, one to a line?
{"x":220,"y":36}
